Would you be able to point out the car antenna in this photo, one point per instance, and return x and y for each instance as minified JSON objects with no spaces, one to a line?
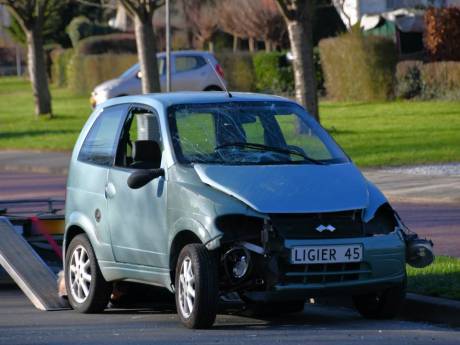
{"x":220,"y":78}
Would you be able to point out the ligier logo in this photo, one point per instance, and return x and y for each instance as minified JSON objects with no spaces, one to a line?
{"x":322,"y":228}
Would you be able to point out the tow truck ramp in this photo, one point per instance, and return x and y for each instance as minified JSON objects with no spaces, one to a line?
{"x":28,"y":270}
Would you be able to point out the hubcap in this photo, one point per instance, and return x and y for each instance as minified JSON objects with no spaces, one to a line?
{"x":186,"y":288}
{"x":80,"y":274}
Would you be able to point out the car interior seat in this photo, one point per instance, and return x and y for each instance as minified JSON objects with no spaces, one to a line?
{"x":146,"y":155}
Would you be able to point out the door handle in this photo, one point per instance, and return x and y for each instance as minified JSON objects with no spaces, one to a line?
{"x":110,"y":190}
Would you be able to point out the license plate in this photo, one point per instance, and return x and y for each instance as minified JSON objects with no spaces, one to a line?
{"x":327,"y":254}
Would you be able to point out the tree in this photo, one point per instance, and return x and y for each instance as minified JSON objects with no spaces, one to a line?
{"x":298,"y":15}
{"x":31,"y":15}
{"x":142,"y":11}
{"x":202,"y":19}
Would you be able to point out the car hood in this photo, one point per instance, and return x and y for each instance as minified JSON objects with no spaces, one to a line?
{"x":108,"y":85}
{"x":290,"y":188}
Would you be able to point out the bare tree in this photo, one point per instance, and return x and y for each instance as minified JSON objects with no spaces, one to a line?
{"x":298,"y":15}
{"x":142,"y":11}
{"x":203,"y":21}
{"x":30,"y":15}
{"x":230,"y":20}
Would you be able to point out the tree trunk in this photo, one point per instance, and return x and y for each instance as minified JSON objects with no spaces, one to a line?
{"x":300,"y":36}
{"x":37,"y":72}
{"x":252,"y":44}
{"x":236,"y":43}
{"x":211,"y":46}
{"x":268,"y":45}
{"x":146,"y":51}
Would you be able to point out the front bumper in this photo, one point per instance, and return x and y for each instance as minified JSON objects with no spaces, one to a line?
{"x":383,"y":266}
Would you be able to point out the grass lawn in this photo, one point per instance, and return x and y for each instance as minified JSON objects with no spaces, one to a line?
{"x":373,"y":134}
{"x":441,"y":279}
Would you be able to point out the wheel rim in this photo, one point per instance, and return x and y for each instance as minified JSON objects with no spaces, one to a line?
{"x":186,"y":288}
{"x":80,"y":274}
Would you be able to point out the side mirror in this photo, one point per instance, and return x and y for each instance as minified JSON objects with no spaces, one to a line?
{"x":140,"y":178}
{"x":139,"y":75}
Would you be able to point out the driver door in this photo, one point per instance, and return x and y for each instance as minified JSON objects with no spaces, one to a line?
{"x":137,"y":216}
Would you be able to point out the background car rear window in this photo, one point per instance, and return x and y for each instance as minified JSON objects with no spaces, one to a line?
{"x":187,"y":63}
{"x":100,"y":144}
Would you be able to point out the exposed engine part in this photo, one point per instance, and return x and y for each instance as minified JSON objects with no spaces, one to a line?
{"x":237,"y":263}
{"x":253,"y":248}
{"x":419,"y":252}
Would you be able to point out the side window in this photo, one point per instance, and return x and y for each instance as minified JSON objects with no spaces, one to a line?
{"x":187,"y":63}
{"x":100,"y":144}
{"x":137,"y":147}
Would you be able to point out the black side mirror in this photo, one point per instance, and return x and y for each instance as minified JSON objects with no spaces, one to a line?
{"x":140,"y":178}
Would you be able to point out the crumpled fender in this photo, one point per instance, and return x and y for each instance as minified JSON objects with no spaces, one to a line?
{"x":375,"y":200}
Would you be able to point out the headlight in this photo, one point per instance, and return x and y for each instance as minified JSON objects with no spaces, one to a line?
{"x":383,"y":222}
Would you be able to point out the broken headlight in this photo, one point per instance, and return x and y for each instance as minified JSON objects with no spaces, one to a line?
{"x":383,"y":222}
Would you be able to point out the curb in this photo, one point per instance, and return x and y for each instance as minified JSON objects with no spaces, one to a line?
{"x":432,"y":309}
{"x":416,"y":308}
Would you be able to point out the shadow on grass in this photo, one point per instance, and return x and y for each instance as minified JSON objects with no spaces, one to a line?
{"x":37,"y":133}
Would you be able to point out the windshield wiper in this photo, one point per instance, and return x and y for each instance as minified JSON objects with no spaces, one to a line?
{"x":263,"y":147}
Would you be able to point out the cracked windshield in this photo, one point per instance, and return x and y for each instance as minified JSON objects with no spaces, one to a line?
{"x":250,"y":133}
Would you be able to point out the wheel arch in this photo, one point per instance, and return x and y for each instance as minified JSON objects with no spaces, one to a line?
{"x":181,"y":239}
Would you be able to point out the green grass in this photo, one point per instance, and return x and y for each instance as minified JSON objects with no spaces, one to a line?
{"x":373,"y":134}
{"x":441,"y":279}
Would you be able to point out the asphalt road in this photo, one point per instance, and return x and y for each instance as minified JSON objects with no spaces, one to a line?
{"x":439,"y":222}
{"x":20,"y":323}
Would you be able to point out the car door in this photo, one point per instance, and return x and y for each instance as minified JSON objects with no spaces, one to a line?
{"x":97,"y":154}
{"x":188,"y":73}
{"x":137,"y":216}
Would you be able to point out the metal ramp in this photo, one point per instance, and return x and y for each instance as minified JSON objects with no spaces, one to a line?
{"x":28,"y":270}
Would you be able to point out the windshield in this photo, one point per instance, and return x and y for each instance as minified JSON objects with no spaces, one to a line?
{"x":238,"y":133}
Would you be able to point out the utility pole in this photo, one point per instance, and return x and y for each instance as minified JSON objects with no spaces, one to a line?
{"x":168,"y":46}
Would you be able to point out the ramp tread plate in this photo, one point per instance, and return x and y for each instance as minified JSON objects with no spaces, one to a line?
{"x":28,"y":270}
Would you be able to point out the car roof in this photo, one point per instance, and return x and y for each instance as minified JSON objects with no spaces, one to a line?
{"x":183,"y":97}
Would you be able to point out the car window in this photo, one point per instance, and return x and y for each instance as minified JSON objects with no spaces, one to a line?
{"x":191,"y":128}
{"x":140,"y":128}
{"x":100,"y":144}
{"x":187,"y":63}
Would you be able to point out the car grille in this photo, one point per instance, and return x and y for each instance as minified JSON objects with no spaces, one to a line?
{"x":325,"y":273}
{"x":298,"y":226}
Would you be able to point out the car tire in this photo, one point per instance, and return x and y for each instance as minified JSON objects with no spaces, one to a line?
{"x":213,"y":88}
{"x":381,"y":305}
{"x":196,"y":287}
{"x":87,"y":290}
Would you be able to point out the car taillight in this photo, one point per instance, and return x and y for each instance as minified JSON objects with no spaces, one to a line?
{"x":220,"y":70}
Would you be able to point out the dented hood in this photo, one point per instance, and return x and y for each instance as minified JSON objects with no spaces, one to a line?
{"x":290,"y":188}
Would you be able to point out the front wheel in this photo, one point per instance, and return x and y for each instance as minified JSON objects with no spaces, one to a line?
{"x":196,"y":287}
{"x":381,"y":305}
{"x":87,"y":290}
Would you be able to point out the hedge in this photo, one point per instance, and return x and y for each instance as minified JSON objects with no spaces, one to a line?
{"x":442,"y":33}
{"x":239,"y":70}
{"x":358,"y":67}
{"x":60,"y":59}
{"x":427,"y":81}
{"x":81,"y":27}
{"x":87,"y":71}
{"x":273,"y":73}
{"x":118,"y":43}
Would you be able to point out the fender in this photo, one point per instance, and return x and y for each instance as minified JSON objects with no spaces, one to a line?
{"x":375,"y":200}
{"x":102,"y":247}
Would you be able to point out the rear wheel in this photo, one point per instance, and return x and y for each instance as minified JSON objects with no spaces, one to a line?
{"x":196,"y":287}
{"x":381,"y":305}
{"x":87,"y":290}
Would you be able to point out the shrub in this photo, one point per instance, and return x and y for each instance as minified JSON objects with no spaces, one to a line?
{"x":273,"y":72}
{"x":408,"y":79}
{"x":442,"y":33}
{"x":239,"y":70}
{"x":119,"y":43}
{"x":86,"y":71}
{"x":81,"y":27}
{"x":60,"y":58}
{"x":441,"y":80}
{"x":359,"y":68}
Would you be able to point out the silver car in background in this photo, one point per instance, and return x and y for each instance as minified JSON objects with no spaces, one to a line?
{"x":190,"y":71}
